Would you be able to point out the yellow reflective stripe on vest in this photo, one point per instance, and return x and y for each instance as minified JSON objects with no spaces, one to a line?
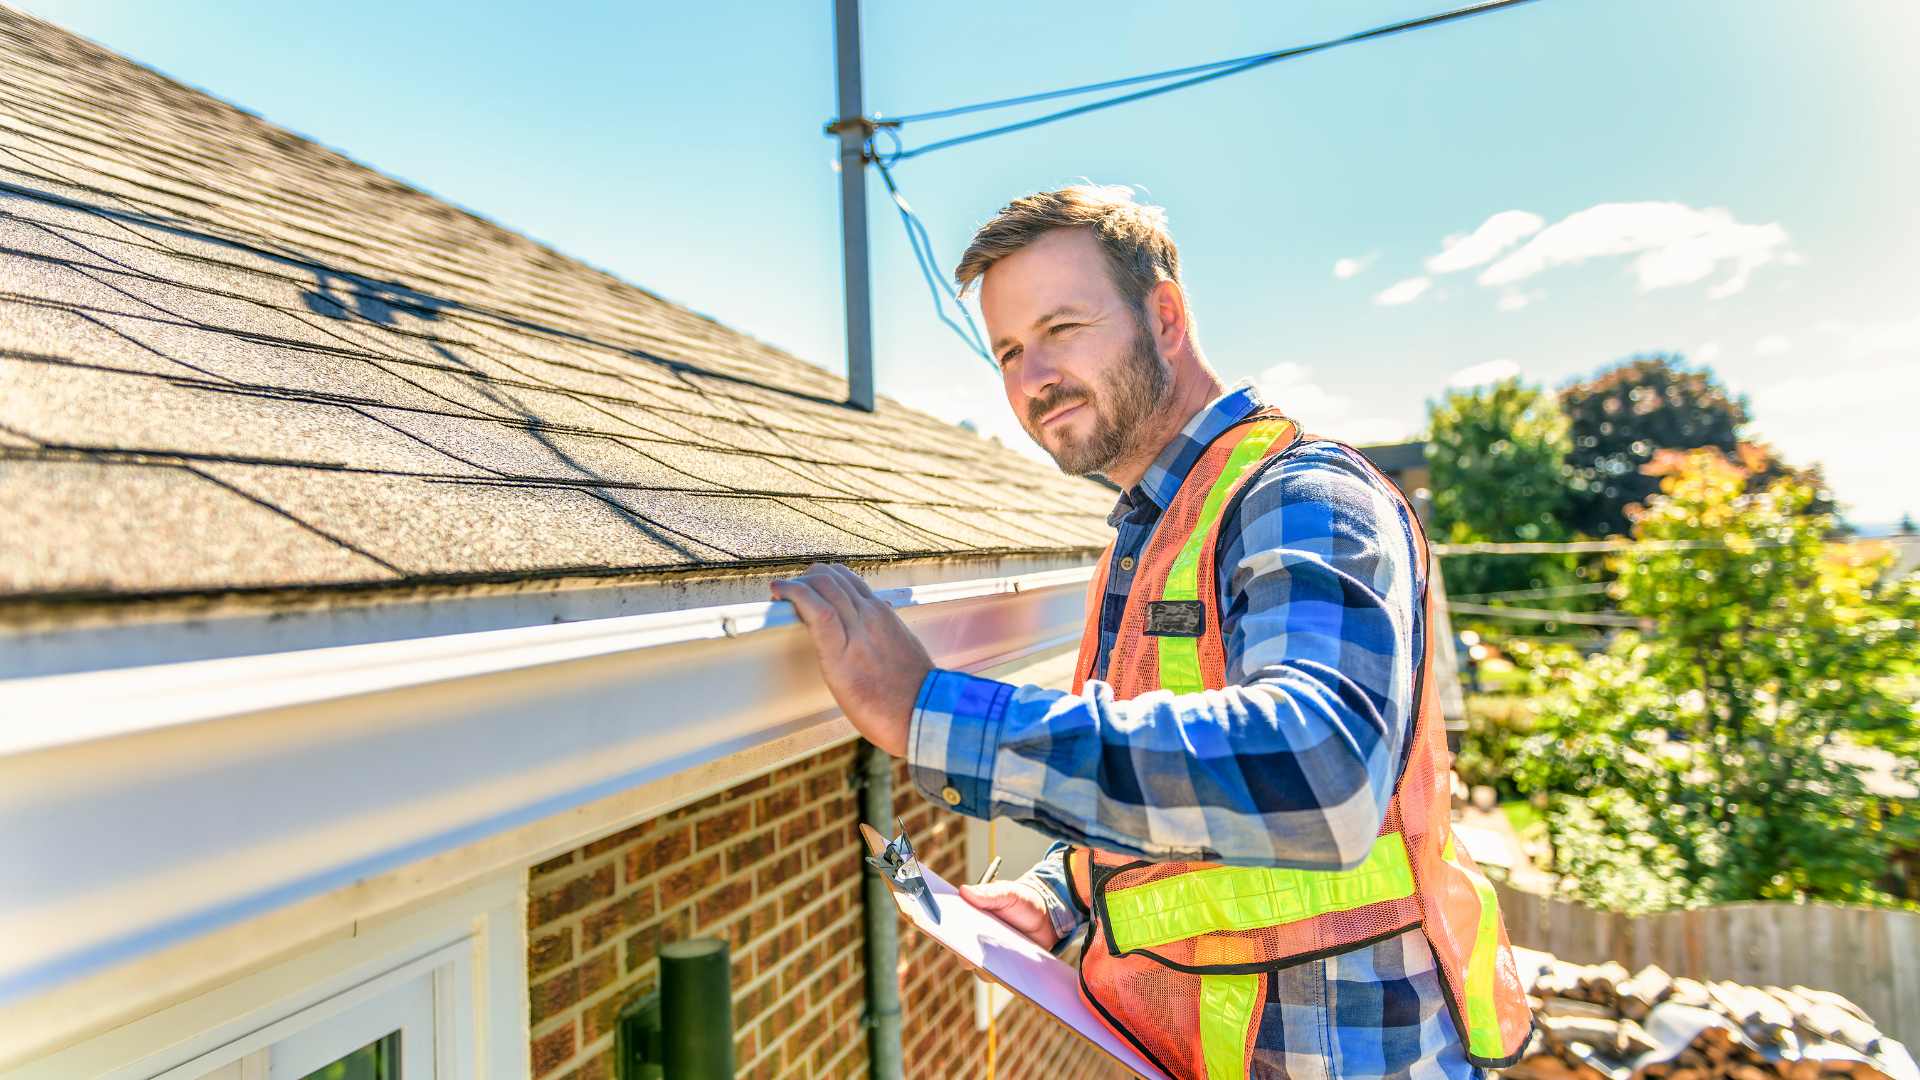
{"x":1226,"y":1020}
{"x":1180,"y":656}
{"x":1483,"y":1016}
{"x":1251,"y":897}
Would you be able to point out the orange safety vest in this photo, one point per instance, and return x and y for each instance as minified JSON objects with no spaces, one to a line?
{"x":1174,"y":961}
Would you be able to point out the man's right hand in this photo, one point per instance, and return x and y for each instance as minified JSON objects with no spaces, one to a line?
{"x":1016,"y":905}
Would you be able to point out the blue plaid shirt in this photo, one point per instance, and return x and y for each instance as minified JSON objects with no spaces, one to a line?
{"x":1292,"y":764}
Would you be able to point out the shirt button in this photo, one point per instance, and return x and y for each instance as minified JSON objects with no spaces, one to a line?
{"x":951,"y":794}
{"x":1126,"y":562}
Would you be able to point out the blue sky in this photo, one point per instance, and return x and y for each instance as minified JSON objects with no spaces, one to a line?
{"x":1602,"y":176}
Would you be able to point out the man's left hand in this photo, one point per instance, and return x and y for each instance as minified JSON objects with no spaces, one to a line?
{"x":872,"y":663}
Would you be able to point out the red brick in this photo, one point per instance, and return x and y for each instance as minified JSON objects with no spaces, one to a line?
{"x":558,"y":862}
{"x":722,"y":902}
{"x":569,"y":896}
{"x":744,"y":1047}
{"x":795,"y":769}
{"x":746,"y":787}
{"x":645,"y":945}
{"x":834,"y":844}
{"x":723,"y":826}
{"x":779,"y":803}
{"x":602,"y":1017}
{"x":620,"y":839}
{"x":748,"y":852}
{"x":597,"y":1067}
{"x":659,"y":853}
{"x":824,"y":786}
{"x":553,"y":997}
{"x":697,"y":808}
{"x":779,"y":947}
{"x":780,"y":871}
{"x":748,"y":1006}
{"x":812,"y":889}
{"x":610,"y":921}
{"x":596,"y":973}
{"x":551,"y":1050}
{"x":796,"y":829}
{"x":679,"y":886}
{"x":546,"y":952}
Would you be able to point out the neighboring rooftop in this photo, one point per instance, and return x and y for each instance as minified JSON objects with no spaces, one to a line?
{"x":232,"y":359}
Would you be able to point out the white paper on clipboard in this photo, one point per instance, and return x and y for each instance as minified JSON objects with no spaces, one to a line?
{"x":1028,"y":970}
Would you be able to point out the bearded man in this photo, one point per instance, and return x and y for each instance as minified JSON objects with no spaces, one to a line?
{"x":1249,"y":776}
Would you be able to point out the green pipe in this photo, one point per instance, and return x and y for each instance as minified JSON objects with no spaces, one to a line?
{"x":696,"y":1010}
{"x":884,"y":1056}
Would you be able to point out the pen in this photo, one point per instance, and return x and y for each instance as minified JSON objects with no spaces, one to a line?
{"x":992,"y":869}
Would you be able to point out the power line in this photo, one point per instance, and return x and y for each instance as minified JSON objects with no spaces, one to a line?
{"x":1218,"y":69}
{"x":1539,"y":594}
{"x":1583,"y":618}
{"x":929,"y":265}
{"x":1591,"y":547}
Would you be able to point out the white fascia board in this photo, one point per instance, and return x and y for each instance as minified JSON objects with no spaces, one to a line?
{"x":144,"y":807}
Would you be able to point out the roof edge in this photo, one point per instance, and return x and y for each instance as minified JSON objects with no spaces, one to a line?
{"x":55,"y":635}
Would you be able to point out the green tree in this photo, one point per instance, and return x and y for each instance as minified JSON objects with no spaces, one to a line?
{"x":1498,"y":461}
{"x":1619,"y":419}
{"x":1702,"y":745}
{"x":1624,"y":417}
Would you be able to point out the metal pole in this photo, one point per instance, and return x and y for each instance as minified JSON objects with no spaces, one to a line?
{"x":696,"y":1010}
{"x":885,"y":1058}
{"x":854,"y":131}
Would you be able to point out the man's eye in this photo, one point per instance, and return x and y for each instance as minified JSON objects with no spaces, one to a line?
{"x":1057,"y":327}
{"x":1008,"y":357}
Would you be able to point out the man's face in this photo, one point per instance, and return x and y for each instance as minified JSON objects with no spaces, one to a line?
{"x":1082,"y":373}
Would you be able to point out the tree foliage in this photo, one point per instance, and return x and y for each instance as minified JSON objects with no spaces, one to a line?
{"x":1498,"y":460}
{"x":1700,"y":749}
{"x":1618,"y":420}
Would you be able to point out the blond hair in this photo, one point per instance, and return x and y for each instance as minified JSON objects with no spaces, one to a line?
{"x":1139,"y":249}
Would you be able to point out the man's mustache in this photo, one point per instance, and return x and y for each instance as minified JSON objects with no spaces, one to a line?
{"x":1038,"y":408}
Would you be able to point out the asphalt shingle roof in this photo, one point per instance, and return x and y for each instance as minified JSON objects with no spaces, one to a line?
{"x":233,"y":359}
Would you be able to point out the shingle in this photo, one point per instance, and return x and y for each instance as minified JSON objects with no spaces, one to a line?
{"x":78,"y":407}
{"x":431,"y":528}
{"x":83,"y":527}
{"x":184,"y":286}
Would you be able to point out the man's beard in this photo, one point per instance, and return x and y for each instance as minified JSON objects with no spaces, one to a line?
{"x":1121,"y":409}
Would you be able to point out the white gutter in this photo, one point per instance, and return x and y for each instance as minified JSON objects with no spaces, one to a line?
{"x":144,"y":807}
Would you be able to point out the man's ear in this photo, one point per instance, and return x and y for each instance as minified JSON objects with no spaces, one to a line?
{"x":1167,"y":316}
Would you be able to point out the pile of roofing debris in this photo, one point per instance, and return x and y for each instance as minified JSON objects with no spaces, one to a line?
{"x":1597,"y":1022}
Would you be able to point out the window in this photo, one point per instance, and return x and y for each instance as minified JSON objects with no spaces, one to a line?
{"x":402,"y":1025}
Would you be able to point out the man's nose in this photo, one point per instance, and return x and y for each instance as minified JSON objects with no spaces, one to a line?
{"x":1038,"y":372}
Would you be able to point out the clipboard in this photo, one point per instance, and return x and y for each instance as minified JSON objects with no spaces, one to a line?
{"x":1004,"y":955}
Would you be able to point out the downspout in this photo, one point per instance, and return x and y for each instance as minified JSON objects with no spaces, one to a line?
{"x":874,"y":775}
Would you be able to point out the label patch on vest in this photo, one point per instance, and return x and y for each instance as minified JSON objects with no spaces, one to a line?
{"x":1176,"y":618}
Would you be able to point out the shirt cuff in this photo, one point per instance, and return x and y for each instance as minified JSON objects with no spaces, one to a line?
{"x":953,"y":737}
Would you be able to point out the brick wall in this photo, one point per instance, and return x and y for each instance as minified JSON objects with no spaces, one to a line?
{"x":772,"y":865}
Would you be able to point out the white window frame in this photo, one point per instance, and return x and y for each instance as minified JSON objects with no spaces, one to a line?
{"x":466,"y":950}
{"x":296,"y":1045}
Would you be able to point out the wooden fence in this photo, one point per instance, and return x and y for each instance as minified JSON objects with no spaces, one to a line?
{"x":1871,"y":955}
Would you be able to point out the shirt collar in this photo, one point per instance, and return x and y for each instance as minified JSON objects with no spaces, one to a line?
{"x":1163,"y":478}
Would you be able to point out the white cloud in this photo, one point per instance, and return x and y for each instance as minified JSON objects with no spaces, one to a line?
{"x":1495,"y":235}
{"x":1706,"y":353}
{"x":1403,"y":292}
{"x":1353,"y":266}
{"x":1771,"y":345}
{"x":1851,"y":414}
{"x":1674,"y":244}
{"x":1481,"y":374}
{"x":1515,"y":299}
{"x":1292,"y":389}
